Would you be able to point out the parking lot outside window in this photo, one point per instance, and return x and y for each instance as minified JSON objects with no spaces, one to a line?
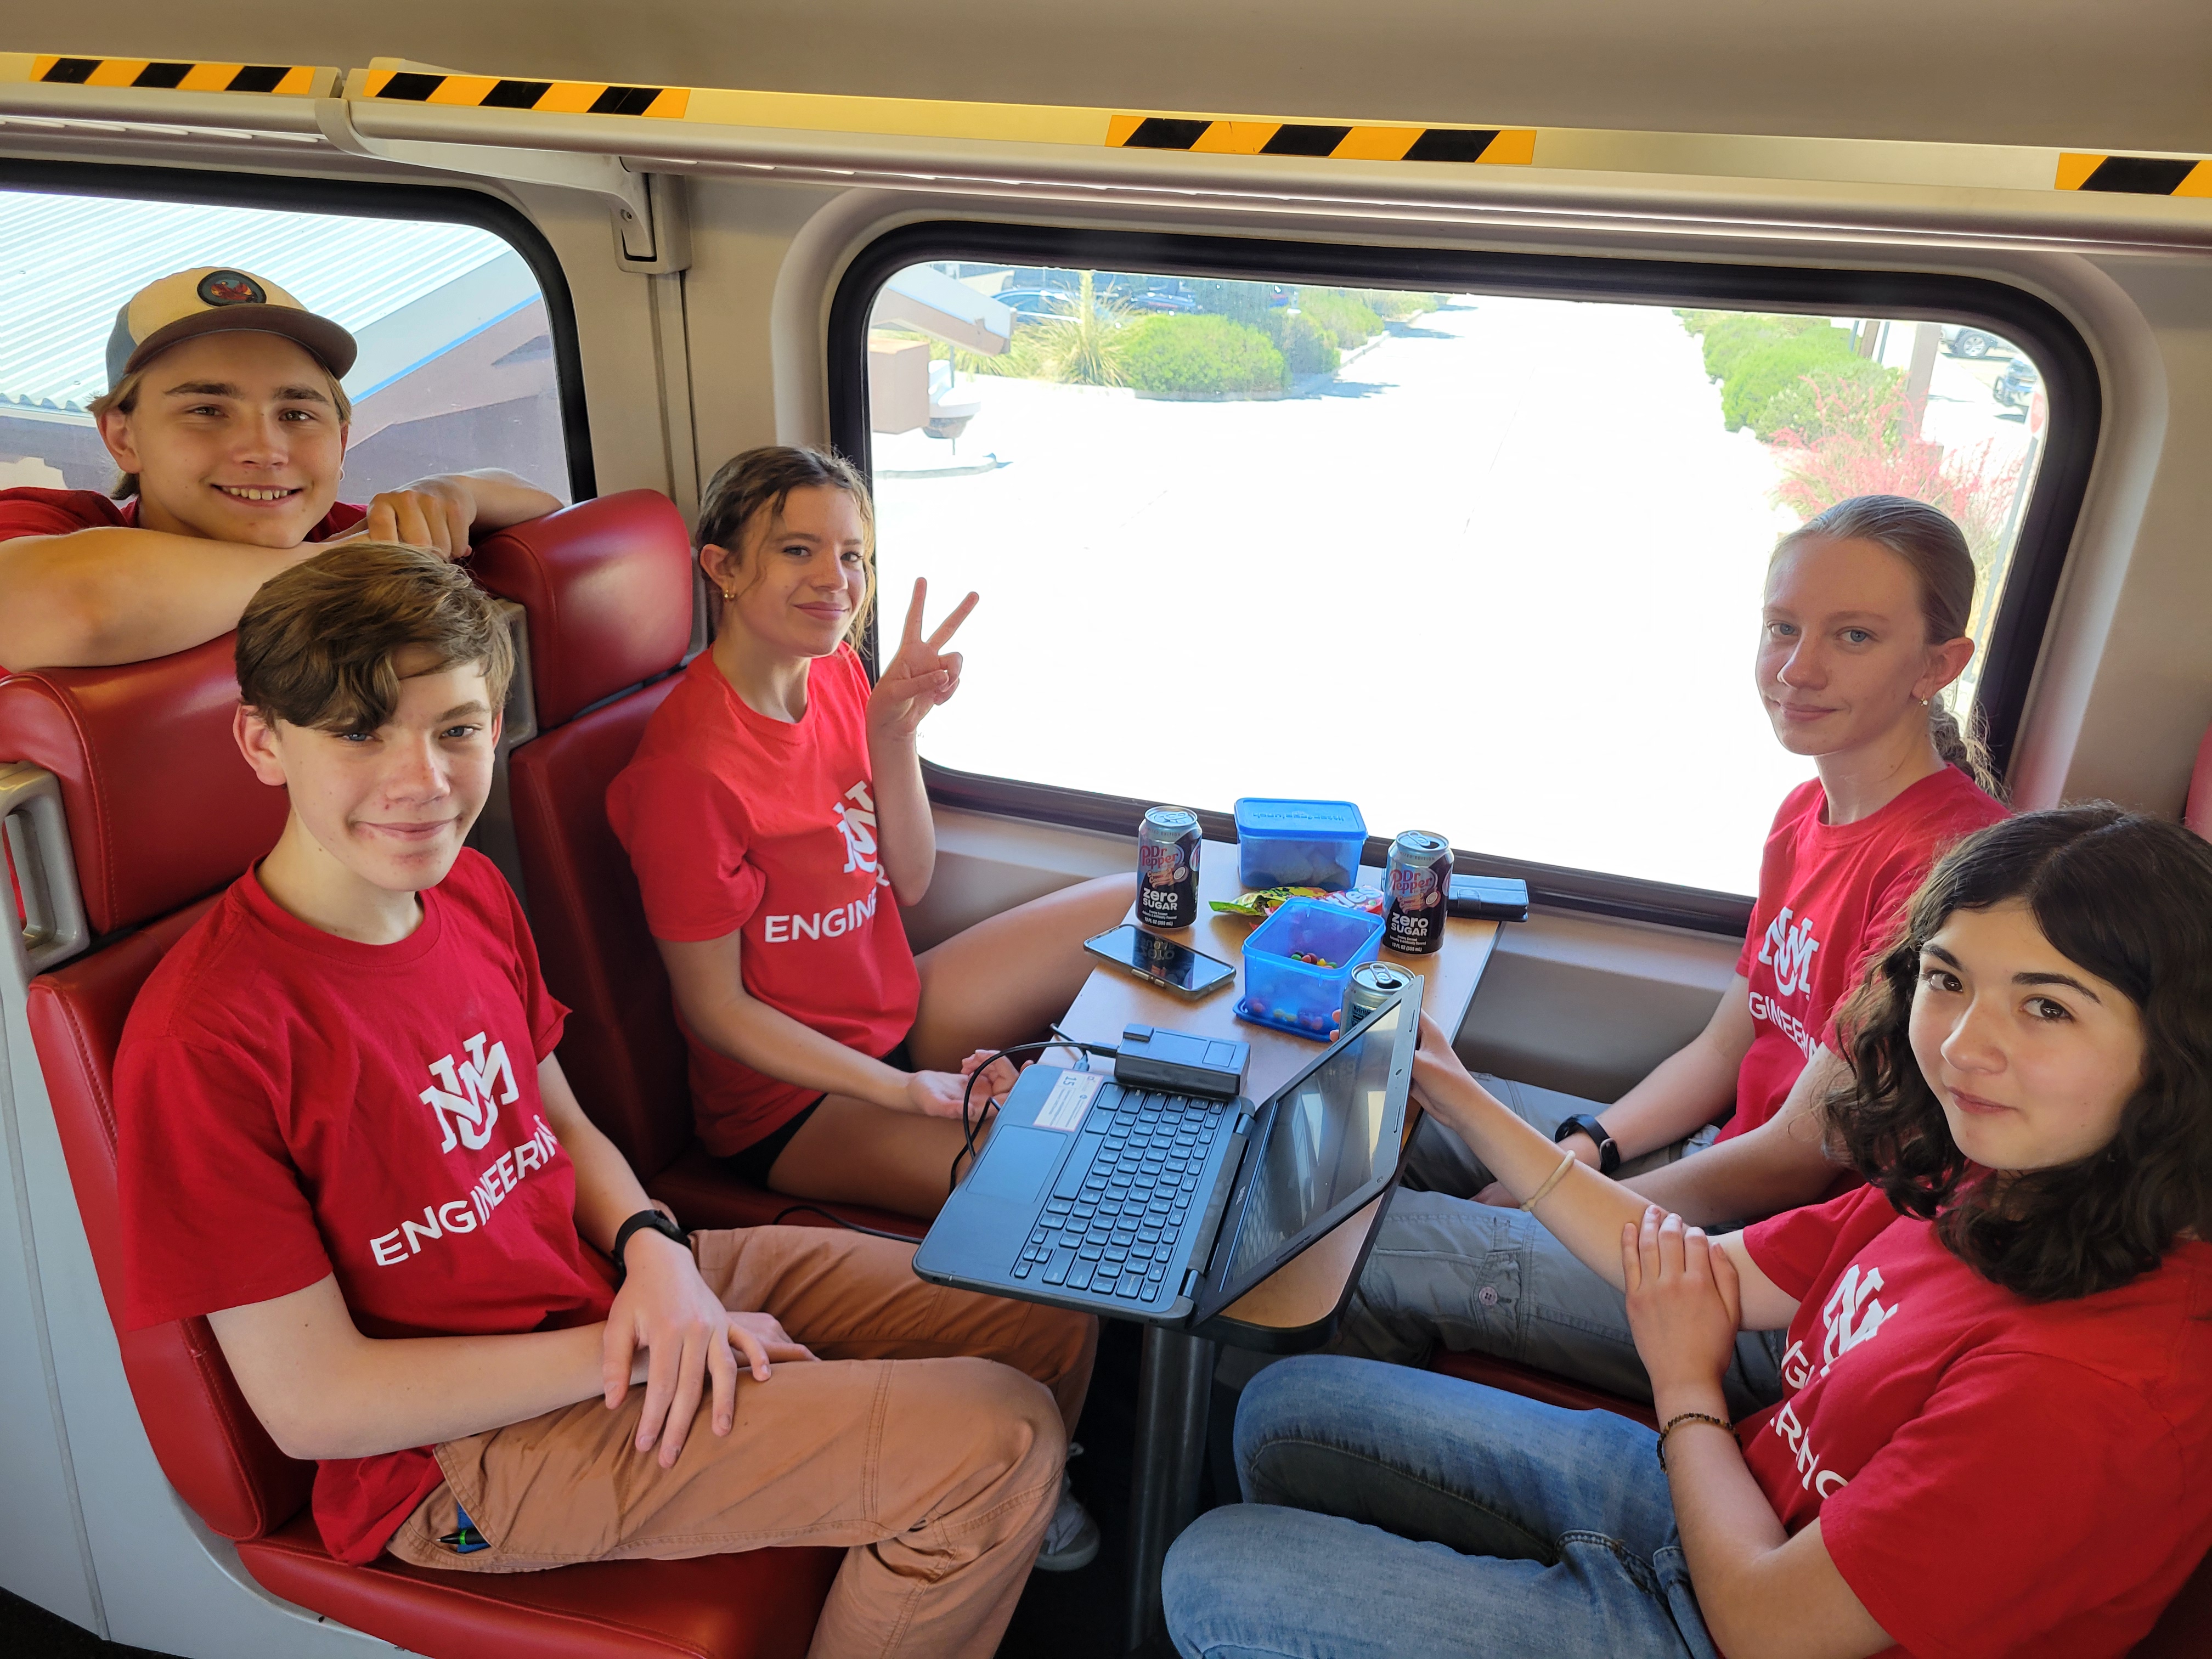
{"x":1484,"y":562}
{"x":457,"y":366}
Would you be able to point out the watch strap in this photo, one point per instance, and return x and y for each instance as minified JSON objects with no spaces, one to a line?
{"x":1608,"y":1154}
{"x":644,"y":1220}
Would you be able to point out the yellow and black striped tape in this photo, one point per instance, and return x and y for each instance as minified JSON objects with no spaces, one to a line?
{"x":550,"y":97}
{"x":293,"y":80}
{"x":2135,"y":175}
{"x":1508,"y":146}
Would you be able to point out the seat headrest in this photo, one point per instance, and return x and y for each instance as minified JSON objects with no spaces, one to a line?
{"x":607,"y":585}
{"x":161,"y":806}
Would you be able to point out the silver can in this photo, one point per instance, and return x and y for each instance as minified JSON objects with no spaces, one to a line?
{"x":1167,"y":867}
{"x":1372,"y":985}
{"x":1414,"y":890}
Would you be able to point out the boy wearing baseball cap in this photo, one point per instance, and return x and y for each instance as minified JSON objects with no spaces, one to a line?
{"x":343,"y":1135}
{"x":225,"y":414}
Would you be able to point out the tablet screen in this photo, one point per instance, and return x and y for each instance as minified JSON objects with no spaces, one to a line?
{"x":1333,"y":1133}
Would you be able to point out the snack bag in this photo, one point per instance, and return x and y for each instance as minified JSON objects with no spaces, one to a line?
{"x":1267,"y":899}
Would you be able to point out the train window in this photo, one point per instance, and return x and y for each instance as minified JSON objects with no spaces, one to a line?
{"x":1486,"y":563}
{"x":457,"y":365}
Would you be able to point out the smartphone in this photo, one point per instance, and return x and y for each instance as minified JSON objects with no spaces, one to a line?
{"x":1162,"y":962}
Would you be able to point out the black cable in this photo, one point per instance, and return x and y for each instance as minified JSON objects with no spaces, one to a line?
{"x":968,"y":1125}
{"x":816,"y":1209}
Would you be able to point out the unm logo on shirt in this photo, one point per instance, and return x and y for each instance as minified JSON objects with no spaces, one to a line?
{"x":1854,"y":1313}
{"x":857,"y":823}
{"x":1790,"y":950}
{"x":463,"y":1099}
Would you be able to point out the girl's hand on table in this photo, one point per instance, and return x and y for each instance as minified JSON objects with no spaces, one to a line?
{"x":922,"y":675}
{"x":1685,"y":1304}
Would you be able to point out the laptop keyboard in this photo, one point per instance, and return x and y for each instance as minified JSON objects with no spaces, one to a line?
{"x":1123,"y":1203}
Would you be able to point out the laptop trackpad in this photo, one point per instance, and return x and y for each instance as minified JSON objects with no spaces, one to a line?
{"x":1020,"y":1161}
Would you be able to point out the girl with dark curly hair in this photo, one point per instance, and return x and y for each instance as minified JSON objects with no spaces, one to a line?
{"x":1997,"y":1433}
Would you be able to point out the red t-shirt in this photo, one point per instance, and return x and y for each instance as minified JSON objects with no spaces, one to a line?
{"x":1829,"y":896}
{"x":291,"y":1104}
{"x":30,"y":512}
{"x":1992,"y":1476}
{"x":736,"y":822}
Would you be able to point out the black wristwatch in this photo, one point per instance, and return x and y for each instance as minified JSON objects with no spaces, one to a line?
{"x":644,"y":1218}
{"x":1608,"y":1155}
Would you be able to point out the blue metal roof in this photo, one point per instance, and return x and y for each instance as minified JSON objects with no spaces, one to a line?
{"x":68,"y":264}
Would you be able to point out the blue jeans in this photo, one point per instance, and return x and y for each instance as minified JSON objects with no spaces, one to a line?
{"x":1393,"y":1514}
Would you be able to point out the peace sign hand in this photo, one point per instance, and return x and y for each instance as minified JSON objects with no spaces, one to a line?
{"x":921,"y":675}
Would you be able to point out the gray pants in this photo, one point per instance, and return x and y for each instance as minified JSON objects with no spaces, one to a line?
{"x":1490,"y":1280}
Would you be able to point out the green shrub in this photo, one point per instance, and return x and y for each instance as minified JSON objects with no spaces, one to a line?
{"x":1347,"y":318}
{"x":1807,"y":406}
{"x":1240,"y":303}
{"x":1759,"y":358}
{"x":1200,"y":357}
{"x":1304,"y":343}
{"x":1395,"y":304}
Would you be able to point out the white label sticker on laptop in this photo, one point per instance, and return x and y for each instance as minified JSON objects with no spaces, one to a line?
{"x":1070,"y":1099}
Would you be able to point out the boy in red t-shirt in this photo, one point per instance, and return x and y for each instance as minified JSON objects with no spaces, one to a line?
{"x":223,"y":411}
{"x":343,"y":1137}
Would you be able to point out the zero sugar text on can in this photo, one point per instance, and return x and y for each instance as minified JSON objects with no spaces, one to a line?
{"x":1372,"y":985}
{"x":1414,"y":889}
{"x":1167,"y":867}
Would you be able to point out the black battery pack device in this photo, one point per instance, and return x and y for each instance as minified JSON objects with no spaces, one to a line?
{"x":1494,"y":898}
{"x":1179,"y":1063}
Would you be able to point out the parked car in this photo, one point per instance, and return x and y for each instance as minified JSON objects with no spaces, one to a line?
{"x":1032,"y":305}
{"x":2017,"y":384}
{"x":1963,"y":342}
{"x":1161,"y":298}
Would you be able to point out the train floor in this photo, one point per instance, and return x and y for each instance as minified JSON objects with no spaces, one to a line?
{"x":1067,"y":1615}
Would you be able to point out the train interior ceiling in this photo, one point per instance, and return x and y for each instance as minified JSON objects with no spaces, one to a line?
{"x":1480,"y":269}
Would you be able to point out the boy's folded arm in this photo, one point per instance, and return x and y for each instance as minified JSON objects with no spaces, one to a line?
{"x":117,"y":593}
{"x":324,"y":1390}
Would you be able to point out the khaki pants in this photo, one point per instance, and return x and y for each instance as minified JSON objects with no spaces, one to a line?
{"x":927,"y":1440}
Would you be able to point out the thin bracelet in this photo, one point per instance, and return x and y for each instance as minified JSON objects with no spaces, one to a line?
{"x":1566,"y":1162}
{"x":1676,"y":1422}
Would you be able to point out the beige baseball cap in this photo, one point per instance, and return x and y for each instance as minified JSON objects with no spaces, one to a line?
{"x":217,"y":300}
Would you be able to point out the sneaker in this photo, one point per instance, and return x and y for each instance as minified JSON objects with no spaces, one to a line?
{"x":1071,"y":1539}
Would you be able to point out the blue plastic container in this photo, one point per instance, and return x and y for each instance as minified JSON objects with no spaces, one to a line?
{"x":1295,"y":996}
{"x":1299,"y":843}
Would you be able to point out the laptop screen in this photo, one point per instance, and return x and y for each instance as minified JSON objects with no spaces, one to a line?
{"x":1324,"y":1143}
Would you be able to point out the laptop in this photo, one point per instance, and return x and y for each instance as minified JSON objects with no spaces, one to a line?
{"x":1139,"y":1204}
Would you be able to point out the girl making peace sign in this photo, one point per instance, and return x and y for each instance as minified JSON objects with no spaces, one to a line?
{"x":775,"y":816}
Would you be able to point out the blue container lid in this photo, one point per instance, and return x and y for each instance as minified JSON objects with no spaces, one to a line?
{"x":1305,"y":820}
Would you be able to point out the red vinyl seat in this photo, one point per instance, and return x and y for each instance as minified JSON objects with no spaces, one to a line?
{"x":607,"y":587}
{"x":162,"y":814}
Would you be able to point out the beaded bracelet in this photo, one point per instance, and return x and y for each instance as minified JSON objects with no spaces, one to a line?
{"x":1544,"y":1192}
{"x":1676,"y":1422}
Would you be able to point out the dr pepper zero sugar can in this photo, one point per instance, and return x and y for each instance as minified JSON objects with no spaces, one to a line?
{"x":1413,"y":890}
{"x":1167,"y":868}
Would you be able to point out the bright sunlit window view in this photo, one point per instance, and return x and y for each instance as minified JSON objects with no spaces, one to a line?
{"x":1489,"y":566}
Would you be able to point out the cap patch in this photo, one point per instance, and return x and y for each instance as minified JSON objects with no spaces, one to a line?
{"x":231,"y":287}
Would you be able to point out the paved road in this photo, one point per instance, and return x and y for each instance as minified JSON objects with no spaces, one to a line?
{"x":1501,"y":580}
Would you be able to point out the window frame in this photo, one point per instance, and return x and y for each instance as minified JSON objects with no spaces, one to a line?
{"x":440,"y":203}
{"x":2032,"y":577}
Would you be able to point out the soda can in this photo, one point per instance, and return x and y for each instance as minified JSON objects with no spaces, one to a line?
{"x":1167,"y":867}
{"x":1372,"y":985}
{"x":1414,"y":890}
